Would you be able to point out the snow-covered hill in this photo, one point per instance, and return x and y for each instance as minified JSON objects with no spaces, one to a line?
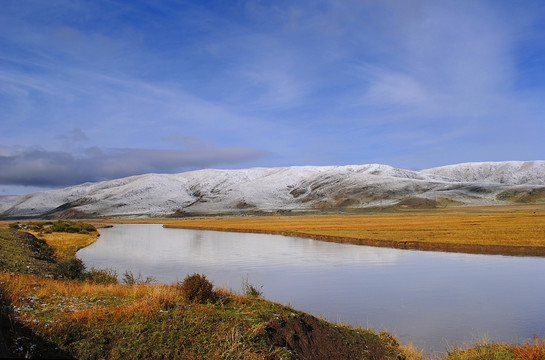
{"x":289,"y":188}
{"x":507,"y":172}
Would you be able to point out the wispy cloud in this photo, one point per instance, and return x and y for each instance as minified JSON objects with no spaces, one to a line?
{"x":38,"y":167}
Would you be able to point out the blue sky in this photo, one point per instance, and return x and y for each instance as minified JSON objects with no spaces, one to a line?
{"x":95,"y":90}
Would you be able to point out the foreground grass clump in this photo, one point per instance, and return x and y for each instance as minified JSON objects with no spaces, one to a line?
{"x":130,"y":279}
{"x":70,"y":269}
{"x":101,"y":276}
{"x":197,"y":288}
{"x":250,"y":290}
{"x":487,"y":351}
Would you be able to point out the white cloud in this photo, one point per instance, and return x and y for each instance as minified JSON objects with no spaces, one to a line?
{"x":390,"y":88}
{"x":39,"y":167}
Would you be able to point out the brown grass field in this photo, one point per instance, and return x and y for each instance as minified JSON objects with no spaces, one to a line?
{"x":66,"y":244}
{"x":490,"y":230}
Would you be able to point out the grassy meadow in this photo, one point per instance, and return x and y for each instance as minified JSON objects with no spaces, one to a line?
{"x":49,"y":310}
{"x":493,"y":230}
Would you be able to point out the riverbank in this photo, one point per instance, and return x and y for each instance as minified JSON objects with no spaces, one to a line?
{"x":44,"y":317}
{"x":47,"y":317}
{"x":501,"y":231}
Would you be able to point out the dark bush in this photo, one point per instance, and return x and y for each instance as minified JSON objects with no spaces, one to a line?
{"x":130,"y":279}
{"x":14,"y":226}
{"x":72,"y":227}
{"x":71,"y":269}
{"x":105,"y":277}
{"x":197,"y":288}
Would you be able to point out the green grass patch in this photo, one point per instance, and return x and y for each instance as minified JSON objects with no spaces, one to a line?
{"x":23,"y":253}
{"x":67,"y":226}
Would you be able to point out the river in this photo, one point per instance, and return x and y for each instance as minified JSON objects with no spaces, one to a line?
{"x":434,"y":300}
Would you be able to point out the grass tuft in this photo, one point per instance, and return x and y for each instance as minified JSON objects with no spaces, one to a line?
{"x":70,"y":269}
{"x":487,"y":351}
{"x":250,"y":290}
{"x":196,"y":288}
{"x":101,"y":276}
{"x":130,"y":279}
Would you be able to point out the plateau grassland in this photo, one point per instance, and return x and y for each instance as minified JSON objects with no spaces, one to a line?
{"x":487,"y":230}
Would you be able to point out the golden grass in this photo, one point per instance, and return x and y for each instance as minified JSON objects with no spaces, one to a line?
{"x":530,"y":351}
{"x":512,"y":227}
{"x":66,"y":244}
{"x":133,"y":300}
{"x":411,"y":352}
{"x":485,"y":350}
{"x":157,"y":321}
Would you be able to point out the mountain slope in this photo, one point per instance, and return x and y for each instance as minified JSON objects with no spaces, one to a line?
{"x":289,"y":188}
{"x":508,"y":172}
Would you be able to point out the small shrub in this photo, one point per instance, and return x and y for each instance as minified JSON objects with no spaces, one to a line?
{"x":197,"y":288}
{"x":71,"y":269}
{"x":14,"y":226}
{"x":250,"y":290}
{"x":105,"y":277}
{"x":130,"y":279}
{"x":72,"y":227}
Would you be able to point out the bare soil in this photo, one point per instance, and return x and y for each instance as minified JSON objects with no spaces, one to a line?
{"x":312,"y":339}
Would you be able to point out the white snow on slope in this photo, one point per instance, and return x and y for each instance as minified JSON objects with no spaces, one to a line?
{"x":283,"y":188}
{"x":506,"y":172}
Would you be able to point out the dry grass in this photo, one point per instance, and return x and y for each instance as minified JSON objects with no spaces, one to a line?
{"x":157,"y":321}
{"x":520,"y":227}
{"x":526,"y":351}
{"x":66,"y":244}
{"x":411,"y":352}
{"x":530,"y":351}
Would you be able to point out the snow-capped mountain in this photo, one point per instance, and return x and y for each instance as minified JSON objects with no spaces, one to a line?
{"x":289,"y":188}
{"x":507,"y":172}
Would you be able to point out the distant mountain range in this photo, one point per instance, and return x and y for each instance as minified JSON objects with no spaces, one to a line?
{"x":284,"y":189}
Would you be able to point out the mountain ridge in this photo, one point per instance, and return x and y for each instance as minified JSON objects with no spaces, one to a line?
{"x":295,"y":188}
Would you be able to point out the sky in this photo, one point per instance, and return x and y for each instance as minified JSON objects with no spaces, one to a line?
{"x":97,"y":90}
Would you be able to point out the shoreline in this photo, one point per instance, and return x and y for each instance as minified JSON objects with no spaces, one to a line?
{"x":515,"y":230}
{"x":506,"y":250}
{"x":88,"y":314}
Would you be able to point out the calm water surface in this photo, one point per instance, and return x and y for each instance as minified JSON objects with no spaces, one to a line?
{"x":432,"y":299}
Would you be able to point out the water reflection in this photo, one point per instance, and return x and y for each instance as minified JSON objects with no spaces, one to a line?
{"x":428,"y":298}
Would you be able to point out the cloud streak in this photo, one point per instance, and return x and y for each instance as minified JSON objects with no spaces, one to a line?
{"x":36,"y":167}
